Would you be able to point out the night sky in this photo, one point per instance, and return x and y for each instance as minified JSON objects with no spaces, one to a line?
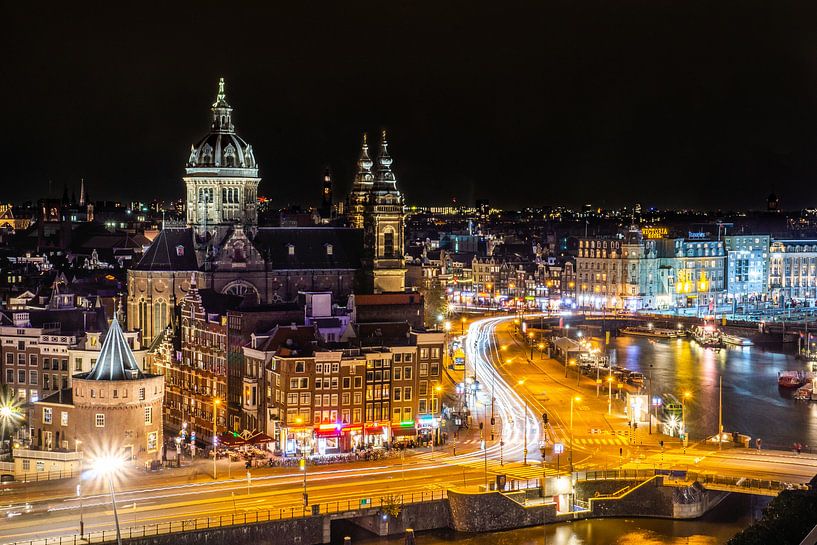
{"x":666,"y":103}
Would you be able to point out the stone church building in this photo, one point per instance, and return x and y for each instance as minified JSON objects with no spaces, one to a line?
{"x":222,"y":245}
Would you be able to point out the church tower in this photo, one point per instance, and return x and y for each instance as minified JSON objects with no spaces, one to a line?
{"x":221,"y":178}
{"x":364,"y":179}
{"x":384,"y":228}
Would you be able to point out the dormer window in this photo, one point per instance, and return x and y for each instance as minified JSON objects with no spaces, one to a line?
{"x":290,"y":249}
{"x":180,"y":250}
{"x":329,"y":249}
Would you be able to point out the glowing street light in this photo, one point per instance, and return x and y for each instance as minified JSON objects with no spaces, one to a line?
{"x":572,"y":399}
{"x":107,"y":467}
{"x":525,"y":422}
{"x":9,"y":415}
{"x":684,"y":398}
{"x":216,"y":403}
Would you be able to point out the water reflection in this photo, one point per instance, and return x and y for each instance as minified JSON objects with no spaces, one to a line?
{"x":752,"y":402}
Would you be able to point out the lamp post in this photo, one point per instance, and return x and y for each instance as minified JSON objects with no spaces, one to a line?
{"x":572,"y":399}
{"x":216,"y":403}
{"x":438,"y":389}
{"x":462,"y":325}
{"x":684,"y":416}
{"x":107,"y":467}
{"x":300,"y":422}
{"x":541,"y":351}
{"x":525,"y":429}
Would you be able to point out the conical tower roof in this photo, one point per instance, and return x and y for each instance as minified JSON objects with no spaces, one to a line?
{"x":116,"y":360}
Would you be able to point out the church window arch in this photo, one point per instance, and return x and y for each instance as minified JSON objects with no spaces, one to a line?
{"x":159,"y":316}
{"x":239,"y":287}
{"x":229,"y":156}
{"x":143,"y":314}
{"x":207,"y":154}
{"x":388,"y":242}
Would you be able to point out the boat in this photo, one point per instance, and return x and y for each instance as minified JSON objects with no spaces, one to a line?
{"x":793,"y":379}
{"x":706,"y":335}
{"x":735,"y":340}
{"x":636,"y":378}
{"x":650,"y":331}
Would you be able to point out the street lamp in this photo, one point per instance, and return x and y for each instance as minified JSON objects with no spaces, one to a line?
{"x":216,"y":403}
{"x":572,"y":399}
{"x":525,"y":423}
{"x":9,"y":414}
{"x":107,"y":467}
{"x":300,"y":422}
{"x":684,"y":416}
{"x":541,"y":351}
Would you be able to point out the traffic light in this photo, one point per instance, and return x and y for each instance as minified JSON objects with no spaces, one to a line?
{"x":302,"y":465}
{"x":545,"y":419}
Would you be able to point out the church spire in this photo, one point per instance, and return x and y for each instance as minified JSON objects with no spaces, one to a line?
{"x":364,"y":178}
{"x":82,"y":192}
{"x":222,"y":111}
{"x":384,"y":181}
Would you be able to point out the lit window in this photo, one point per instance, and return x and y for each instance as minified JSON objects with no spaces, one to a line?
{"x":99,"y":420}
{"x":46,"y":415}
{"x":148,"y":415}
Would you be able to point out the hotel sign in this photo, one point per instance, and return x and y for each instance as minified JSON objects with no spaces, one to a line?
{"x":654,"y":232}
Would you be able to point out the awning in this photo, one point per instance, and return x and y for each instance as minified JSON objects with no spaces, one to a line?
{"x":374,"y":429}
{"x":331,"y":432}
{"x":259,"y":438}
{"x":404,"y":432}
{"x":230,"y":440}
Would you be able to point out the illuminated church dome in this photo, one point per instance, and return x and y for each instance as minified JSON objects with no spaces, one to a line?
{"x":222,"y":147}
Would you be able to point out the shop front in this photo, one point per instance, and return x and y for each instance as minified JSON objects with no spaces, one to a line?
{"x":328,"y":438}
{"x":405,"y":432}
{"x":427,"y":425}
{"x":298,"y":439}
{"x":376,"y":434}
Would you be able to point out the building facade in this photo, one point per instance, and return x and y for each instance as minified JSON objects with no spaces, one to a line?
{"x":793,"y":272}
{"x":747,"y":269}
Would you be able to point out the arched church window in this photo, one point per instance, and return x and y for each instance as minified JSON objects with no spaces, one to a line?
{"x":239,"y":288}
{"x":388,"y":244}
{"x":180,"y":250}
{"x":229,"y":155}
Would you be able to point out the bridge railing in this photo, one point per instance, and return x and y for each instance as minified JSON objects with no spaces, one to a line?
{"x":386,"y":504}
{"x":744,"y":482}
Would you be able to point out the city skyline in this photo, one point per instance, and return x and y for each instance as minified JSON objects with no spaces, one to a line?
{"x":665,"y":108}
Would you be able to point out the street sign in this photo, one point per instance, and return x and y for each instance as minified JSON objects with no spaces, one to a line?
{"x":365,"y":502}
{"x":558,"y":448}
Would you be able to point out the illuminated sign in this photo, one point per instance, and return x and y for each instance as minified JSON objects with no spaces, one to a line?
{"x":654,"y":232}
{"x":696,"y":235}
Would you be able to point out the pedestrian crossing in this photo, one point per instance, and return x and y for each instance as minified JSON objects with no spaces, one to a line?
{"x":602,"y":441}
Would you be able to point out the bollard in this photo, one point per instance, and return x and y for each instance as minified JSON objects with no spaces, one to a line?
{"x":410,"y":537}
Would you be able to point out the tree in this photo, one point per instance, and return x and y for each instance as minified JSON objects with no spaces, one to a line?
{"x":786,"y":520}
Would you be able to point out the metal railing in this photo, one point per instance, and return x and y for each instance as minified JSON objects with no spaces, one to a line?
{"x":38,"y":476}
{"x":338,"y":507}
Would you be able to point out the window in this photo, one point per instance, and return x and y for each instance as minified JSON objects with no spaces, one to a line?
{"x":397,"y":413}
{"x":9,"y":376}
{"x":335,"y":367}
{"x":47,"y":415}
{"x":99,"y":419}
{"x":26,"y":465}
{"x":397,"y":393}
{"x":77,"y":364}
{"x":290,"y":249}
{"x":398,"y":357}
{"x":423,"y":369}
{"x":423,"y":389}
{"x":407,"y":414}
{"x":9,"y":358}
{"x":329,"y":249}
{"x":141,"y":394}
{"x":358,"y":398}
{"x":424,"y":353}
{"x":388,"y":244}
{"x":407,"y":358}
{"x":148,"y":415}
{"x":435,"y":353}
{"x":32,"y":359}
{"x":347,"y":383}
{"x":64,"y":418}
{"x":305,"y":398}
{"x":358,"y":382}
{"x":318,"y":383}
{"x":46,"y":363}
{"x":33,"y":376}
{"x":407,"y":393}
{"x":319,"y":368}
{"x":406,"y":373}
{"x":334,"y":383}
{"x":299,"y":366}
{"x":421,"y":406}
{"x":292,"y":398}
{"x":346,"y":398}
{"x":397,"y":373}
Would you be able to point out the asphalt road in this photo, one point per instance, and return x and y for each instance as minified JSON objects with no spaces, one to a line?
{"x":499,"y":360}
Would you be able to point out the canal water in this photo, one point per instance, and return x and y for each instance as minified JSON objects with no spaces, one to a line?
{"x":713,"y":529}
{"x":753,"y":404}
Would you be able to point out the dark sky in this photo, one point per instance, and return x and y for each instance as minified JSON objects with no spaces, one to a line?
{"x":666,"y":103}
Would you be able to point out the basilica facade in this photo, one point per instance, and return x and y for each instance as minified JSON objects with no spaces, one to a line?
{"x":223,"y":248}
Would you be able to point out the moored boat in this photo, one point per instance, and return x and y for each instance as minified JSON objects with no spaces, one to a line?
{"x":736,"y":340}
{"x":649,"y":331}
